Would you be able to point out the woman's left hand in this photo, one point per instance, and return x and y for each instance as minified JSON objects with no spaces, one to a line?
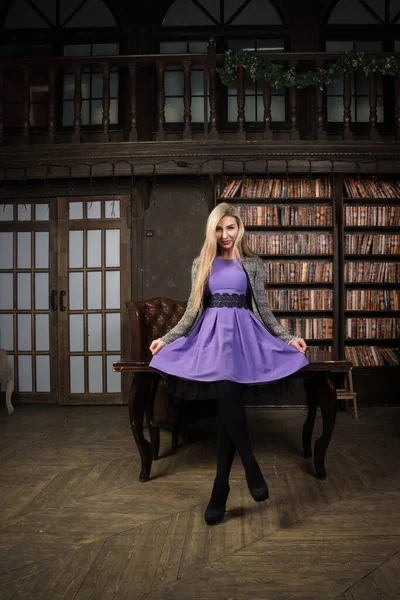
{"x":299,"y":344}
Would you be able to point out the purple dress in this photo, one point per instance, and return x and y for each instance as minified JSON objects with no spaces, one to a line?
{"x":226,"y":343}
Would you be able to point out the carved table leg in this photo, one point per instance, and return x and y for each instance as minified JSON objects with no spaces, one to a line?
{"x":138,"y":398}
{"x":154,"y":430}
{"x":327,"y":403}
{"x":308,"y":427}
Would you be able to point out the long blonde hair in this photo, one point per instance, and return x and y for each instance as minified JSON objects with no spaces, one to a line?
{"x":209,"y":249}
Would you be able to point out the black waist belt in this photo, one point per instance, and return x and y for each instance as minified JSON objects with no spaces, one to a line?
{"x":226,"y":301}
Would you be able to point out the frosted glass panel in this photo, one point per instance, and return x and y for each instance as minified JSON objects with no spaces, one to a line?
{"x":112,"y":247}
{"x":24,"y":212}
{"x":94,"y":290}
{"x":42,"y":212}
{"x":76,"y":291}
{"x":197,"y":80}
{"x":94,"y":248}
{"x":43,"y":373}
{"x":42,"y":333}
{"x":42,"y":250}
{"x":113,"y":379}
{"x":94,"y":333}
{"x":6,"y":250}
{"x":173,"y":83}
{"x":113,"y":289}
{"x":95,"y":374}
{"x":42,"y":291}
{"x":24,"y":254}
{"x":76,"y":249}
{"x":174,"y":110}
{"x":76,"y":333}
{"x":112,"y":213}
{"x":77,"y":374}
{"x":94,"y":210}
{"x":7,"y":332}
{"x":24,"y":291}
{"x":197,"y":110}
{"x":75,"y":210}
{"x":6,"y":212}
{"x":24,"y":343}
{"x":113,"y":332}
{"x":6,"y":291}
{"x":25,"y":374}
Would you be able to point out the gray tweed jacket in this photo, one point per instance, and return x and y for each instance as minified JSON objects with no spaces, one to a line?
{"x":254,"y":269}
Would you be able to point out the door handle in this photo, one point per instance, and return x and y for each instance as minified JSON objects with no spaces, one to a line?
{"x":62,"y":306}
{"x":53,"y":300}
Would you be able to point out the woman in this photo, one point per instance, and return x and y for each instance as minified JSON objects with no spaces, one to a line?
{"x":227,"y":339}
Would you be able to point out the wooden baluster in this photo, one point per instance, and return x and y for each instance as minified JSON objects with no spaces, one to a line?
{"x":397,"y":108}
{"x":268,"y":135}
{"x":241,"y":100}
{"x":347,"y":134}
{"x":105,"y":136}
{"x":27,"y":104}
{"x":76,"y":136}
{"x":373,"y":114}
{"x":160,"y":100}
{"x":211,"y":66}
{"x":51,"y":138}
{"x":133,"y":131}
{"x":1,"y":105}
{"x":187,"y":99}
{"x":319,"y":99}
{"x":294,"y":132}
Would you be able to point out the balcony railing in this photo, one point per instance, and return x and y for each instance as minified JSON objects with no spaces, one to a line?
{"x":142,"y":101}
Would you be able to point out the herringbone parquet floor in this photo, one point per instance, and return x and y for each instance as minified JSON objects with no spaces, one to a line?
{"x":75,"y":523}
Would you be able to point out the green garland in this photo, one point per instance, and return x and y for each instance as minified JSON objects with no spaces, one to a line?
{"x":260,"y":69}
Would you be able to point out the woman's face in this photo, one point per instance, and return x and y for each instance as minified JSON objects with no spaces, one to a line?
{"x":227,"y":231}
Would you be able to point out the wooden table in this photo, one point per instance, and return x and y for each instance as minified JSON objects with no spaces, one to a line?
{"x":318,"y":383}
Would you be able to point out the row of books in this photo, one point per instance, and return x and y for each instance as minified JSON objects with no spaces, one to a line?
{"x":300,"y":299}
{"x":372,"y":356}
{"x":381,"y":328}
{"x":291,"y":243}
{"x":371,"y":272}
{"x":305,"y":187}
{"x":317,"y":329}
{"x":372,"y":216}
{"x":371,"y":244}
{"x":372,"y":300}
{"x":372,"y":188}
{"x":286,"y":215}
{"x":298,"y":272}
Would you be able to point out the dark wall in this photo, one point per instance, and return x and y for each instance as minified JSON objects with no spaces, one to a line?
{"x":177,"y":215}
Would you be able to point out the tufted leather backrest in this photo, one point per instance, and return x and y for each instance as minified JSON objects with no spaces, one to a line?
{"x":149,"y":320}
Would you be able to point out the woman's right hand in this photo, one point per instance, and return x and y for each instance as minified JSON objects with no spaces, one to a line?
{"x":156,"y":345}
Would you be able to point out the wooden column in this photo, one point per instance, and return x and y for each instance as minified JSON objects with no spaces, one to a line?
{"x":160,"y":101}
{"x":373,"y":114}
{"x":51,"y":138}
{"x":347,"y":134}
{"x":187,"y":99}
{"x":241,"y":99}
{"x":268,"y":135}
{"x":27,"y":104}
{"x":1,"y":105}
{"x":105,"y":136}
{"x":294,"y":132}
{"x":76,"y":136}
{"x":319,"y":101}
{"x":211,"y":66}
{"x":133,"y":131}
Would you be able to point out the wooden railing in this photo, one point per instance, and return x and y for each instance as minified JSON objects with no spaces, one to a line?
{"x":148,"y":99}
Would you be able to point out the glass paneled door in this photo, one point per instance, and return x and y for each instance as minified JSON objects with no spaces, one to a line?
{"x":93,"y":285}
{"x":28,"y":316}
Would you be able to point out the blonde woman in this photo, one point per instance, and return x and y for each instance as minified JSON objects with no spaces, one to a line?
{"x":227,"y":339}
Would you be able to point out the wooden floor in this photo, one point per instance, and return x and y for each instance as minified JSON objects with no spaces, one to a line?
{"x":75,"y":522}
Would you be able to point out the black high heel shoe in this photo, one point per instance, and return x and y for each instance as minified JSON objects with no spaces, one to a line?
{"x":216,"y":507}
{"x":256,"y":483}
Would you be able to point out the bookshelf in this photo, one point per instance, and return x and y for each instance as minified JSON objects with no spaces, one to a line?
{"x":290,"y":225}
{"x":371,"y":271}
